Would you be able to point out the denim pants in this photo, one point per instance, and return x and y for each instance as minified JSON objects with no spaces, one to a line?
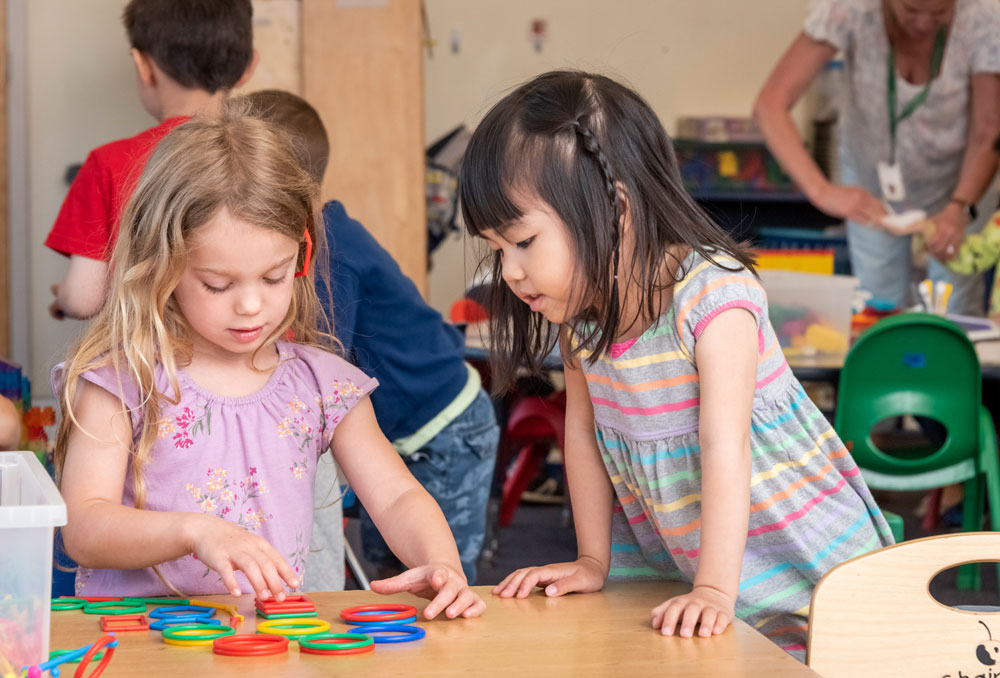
{"x":456,"y":468}
{"x":882,"y":263}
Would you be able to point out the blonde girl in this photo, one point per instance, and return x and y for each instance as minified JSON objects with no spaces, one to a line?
{"x":193,"y":421}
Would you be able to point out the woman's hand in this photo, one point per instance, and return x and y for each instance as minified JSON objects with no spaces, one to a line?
{"x":445,"y":586}
{"x":849,"y":202}
{"x":948,"y":233}
{"x":585,"y":575}
{"x":707,"y":606}
{"x":225,"y":547}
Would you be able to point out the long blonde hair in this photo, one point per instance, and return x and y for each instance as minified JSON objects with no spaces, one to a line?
{"x":234,"y":161}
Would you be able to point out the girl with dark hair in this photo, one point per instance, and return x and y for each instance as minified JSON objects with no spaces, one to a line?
{"x":692,"y":451}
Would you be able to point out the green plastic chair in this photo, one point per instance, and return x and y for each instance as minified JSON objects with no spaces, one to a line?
{"x":923,"y":365}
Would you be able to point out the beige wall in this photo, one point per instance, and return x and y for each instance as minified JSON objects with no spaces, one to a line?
{"x":684,"y":56}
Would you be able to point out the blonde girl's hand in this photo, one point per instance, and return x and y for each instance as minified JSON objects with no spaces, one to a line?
{"x":226,"y":547}
{"x":708,"y":607}
{"x":442,"y":584}
{"x":584,"y":575}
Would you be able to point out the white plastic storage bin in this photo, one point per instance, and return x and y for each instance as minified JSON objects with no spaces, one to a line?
{"x":811,"y":313}
{"x":30,"y":510}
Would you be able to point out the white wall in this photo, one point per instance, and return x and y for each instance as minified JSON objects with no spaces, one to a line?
{"x":686,"y":57}
{"x":81,"y":94}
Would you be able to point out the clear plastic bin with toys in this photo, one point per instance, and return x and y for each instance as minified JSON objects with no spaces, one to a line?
{"x":30,"y":510}
{"x":811,"y":313}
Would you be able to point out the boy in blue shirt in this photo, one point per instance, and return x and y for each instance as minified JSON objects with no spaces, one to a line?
{"x":429,"y":402}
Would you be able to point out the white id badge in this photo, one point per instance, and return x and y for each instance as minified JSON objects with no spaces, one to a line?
{"x":890,"y":177}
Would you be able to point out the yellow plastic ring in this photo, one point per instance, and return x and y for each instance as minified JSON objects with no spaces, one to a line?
{"x":293,"y":629}
{"x":188,"y":643}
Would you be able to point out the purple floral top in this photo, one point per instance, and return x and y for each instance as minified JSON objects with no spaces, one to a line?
{"x":250,"y":460}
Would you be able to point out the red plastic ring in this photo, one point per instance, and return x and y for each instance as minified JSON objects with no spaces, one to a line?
{"x":392,"y":613}
{"x":85,"y":660}
{"x":352,"y":650}
{"x":253,"y":645}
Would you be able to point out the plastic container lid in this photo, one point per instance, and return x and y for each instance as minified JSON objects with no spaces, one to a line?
{"x":28,"y":496}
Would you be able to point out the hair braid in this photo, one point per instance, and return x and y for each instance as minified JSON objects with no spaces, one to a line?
{"x":593,"y":147}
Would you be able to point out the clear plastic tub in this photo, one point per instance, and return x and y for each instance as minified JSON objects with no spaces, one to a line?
{"x":810,"y":313}
{"x":30,"y":510}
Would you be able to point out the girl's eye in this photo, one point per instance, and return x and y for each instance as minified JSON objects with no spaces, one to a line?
{"x":216,"y":290}
{"x":523,"y":245}
{"x":275,"y":281}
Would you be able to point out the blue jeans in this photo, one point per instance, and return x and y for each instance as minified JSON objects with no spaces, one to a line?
{"x":456,"y":468}
{"x":882,"y":263}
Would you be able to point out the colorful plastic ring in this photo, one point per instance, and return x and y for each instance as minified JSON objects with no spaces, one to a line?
{"x":290,"y":629}
{"x":403,"y":634}
{"x":353,"y":650}
{"x":171,"y":611}
{"x":256,"y":645}
{"x":113,"y":607}
{"x":198,"y":632}
{"x":408,"y":620}
{"x":161,"y":624}
{"x":290,"y":615}
{"x":107,"y":641}
{"x":67,"y":603}
{"x":377,"y":613}
{"x":55,"y":654}
{"x":157,"y":601}
{"x":335,"y":641}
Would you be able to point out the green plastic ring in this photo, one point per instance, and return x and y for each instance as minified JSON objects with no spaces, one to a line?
{"x":112,"y":607}
{"x":361,"y":640}
{"x":68,"y":603}
{"x":156,"y":601}
{"x":200,"y":632}
{"x":58,"y":653}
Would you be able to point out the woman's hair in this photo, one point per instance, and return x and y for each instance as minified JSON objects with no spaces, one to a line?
{"x":235,"y":162}
{"x":586,"y":146}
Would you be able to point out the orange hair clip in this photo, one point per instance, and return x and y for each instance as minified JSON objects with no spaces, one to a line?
{"x":308,"y":258}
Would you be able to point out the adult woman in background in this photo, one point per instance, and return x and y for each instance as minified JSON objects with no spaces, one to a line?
{"x":920,"y":114}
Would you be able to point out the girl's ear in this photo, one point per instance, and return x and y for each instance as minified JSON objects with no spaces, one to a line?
{"x":624,"y":210}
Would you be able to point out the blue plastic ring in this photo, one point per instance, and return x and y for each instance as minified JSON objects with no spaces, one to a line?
{"x":170,"y":611}
{"x":405,"y":634}
{"x":161,"y":624}
{"x":394,"y":622}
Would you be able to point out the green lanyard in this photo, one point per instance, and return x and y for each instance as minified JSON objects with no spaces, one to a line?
{"x":914,"y":103}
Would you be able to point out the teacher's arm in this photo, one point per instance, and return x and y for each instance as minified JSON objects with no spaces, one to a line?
{"x":796,"y":69}
{"x":979,"y":164}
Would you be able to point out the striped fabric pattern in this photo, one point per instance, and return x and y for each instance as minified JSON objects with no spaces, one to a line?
{"x":809,"y":510}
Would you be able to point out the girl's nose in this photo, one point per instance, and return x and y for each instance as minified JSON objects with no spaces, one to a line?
{"x":248,"y":303}
{"x":511,"y":271}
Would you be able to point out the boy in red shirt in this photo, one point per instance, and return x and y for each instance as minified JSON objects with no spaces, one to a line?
{"x":188,"y":54}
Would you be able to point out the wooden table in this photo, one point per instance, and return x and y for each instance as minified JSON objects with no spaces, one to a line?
{"x":577,"y":635}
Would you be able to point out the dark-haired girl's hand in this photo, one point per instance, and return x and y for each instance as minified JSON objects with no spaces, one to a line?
{"x":445,"y":586}
{"x":584,"y":575}
{"x":706,"y":607}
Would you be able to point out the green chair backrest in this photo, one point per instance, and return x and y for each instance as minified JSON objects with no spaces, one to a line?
{"x":913,"y":363}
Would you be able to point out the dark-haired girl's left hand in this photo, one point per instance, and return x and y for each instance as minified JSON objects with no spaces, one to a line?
{"x":443,"y":585}
{"x":708,"y":608}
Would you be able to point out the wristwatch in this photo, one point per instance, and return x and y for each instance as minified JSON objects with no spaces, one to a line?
{"x":968,"y":207}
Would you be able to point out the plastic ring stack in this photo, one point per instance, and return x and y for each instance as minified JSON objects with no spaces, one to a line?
{"x":402,"y":634}
{"x":291,"y":629}
{"x":257,"y":645}
{"x":336,"y":643}
{"x":195,"y":634}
